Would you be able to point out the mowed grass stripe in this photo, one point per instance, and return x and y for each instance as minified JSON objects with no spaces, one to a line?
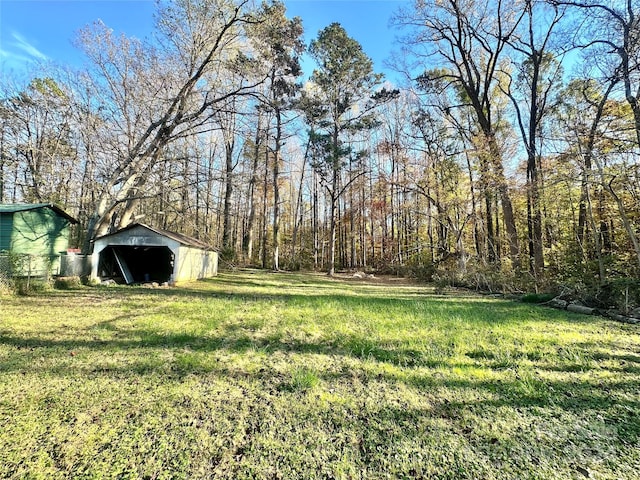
{"x":258,"y":375}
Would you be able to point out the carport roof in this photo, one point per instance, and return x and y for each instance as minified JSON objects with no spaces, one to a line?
{"x":178,"y":237}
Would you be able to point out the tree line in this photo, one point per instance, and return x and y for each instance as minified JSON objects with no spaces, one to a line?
{"x":505,"y":157}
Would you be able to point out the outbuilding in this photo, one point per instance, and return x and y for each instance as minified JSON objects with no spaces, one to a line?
{"x":34,"y":235}
{"x":142,"y":254}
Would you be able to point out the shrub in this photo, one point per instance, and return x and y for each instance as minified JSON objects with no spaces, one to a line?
{"x":303,"y":261}
{"x":537,"y":297}
{"x":621,"y":293}
{"x":420,"y":267}
{"x":481,"y":276}
{"x":27,"y":286}
{"x":228,"y":254}
{"x":67,"y":283}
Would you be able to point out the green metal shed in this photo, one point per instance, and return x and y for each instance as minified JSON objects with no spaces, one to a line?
{"x":35,"y":235}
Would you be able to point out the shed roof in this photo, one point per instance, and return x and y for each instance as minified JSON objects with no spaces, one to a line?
{"x":23,"y":207}
{"x":178,"y":237}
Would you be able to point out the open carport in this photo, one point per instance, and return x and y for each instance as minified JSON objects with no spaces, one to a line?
{"x":141,"y":254}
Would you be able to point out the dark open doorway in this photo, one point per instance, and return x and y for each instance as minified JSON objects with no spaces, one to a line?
{"x":136,"y":264}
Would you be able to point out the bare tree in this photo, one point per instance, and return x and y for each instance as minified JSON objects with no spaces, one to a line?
{"x":343,"y":97}
{"x":612,"y":29}
{"x":37,"y":128}
{"x":467,"y":40}
{"x":278,"y":43}
{"x":151,"y":96}
{"x":531,"y":92}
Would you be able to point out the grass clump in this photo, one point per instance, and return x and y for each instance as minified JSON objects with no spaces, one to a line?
{"x":537,"y":297}
{"x":302,"y":380}
{"x":30,"y":286}
{"x":67,"y":283}
{"x":256,"y":375}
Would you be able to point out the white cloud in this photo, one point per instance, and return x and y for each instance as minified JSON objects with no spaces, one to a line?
{"x":11,"y":59}
{"x":23,"y":44}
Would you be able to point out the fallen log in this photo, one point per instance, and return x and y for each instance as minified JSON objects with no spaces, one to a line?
{"x":558,"y":303}
{"x":574,"y":307}
{"x":613,"y":315}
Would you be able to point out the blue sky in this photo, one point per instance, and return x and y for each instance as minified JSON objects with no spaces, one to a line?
{"x":35,"y":30}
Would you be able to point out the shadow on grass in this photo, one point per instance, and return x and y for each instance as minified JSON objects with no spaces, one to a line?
{"x":418,"y":369}
{"x":465,"y":308}
{"x":317,"y":290}
{"x":232,"y":339}
{"x":611,"y":398}
{"x":451,"y":313}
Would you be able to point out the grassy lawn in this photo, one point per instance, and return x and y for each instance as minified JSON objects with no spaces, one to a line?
{"x":257,"y":375}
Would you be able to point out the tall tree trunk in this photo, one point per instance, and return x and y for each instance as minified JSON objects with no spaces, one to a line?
{"x":276,"y":192}
{"x":363,"y":226}
{"x":127,"y":215}
{"x":314,"y":221}
{"x":264,"y":210}
{"x":492,"y":250}
{"x":335,"y":175}
{"x":534,"y":221}
{"x":474,"y":210}
{"x":210,"y":186}
{"x":332,"y":231}
{"x":253,"y":179}
{"x":596,"y":236}
{"x":534,"y":215}
{"x":228,"y":192}
{"x":587,"y":154}
{"x":392,"y":202}
{"x":495,"y":156}
{"x":298,"y":210}
{"x":198,"y":215}
{"x":352,"y":227}
{"x":372,"y":222}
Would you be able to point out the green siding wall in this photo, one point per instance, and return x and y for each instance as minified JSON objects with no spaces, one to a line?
{"x":39,"y":232}
{"x":42,"y":233}
{"x":6,"y":228}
